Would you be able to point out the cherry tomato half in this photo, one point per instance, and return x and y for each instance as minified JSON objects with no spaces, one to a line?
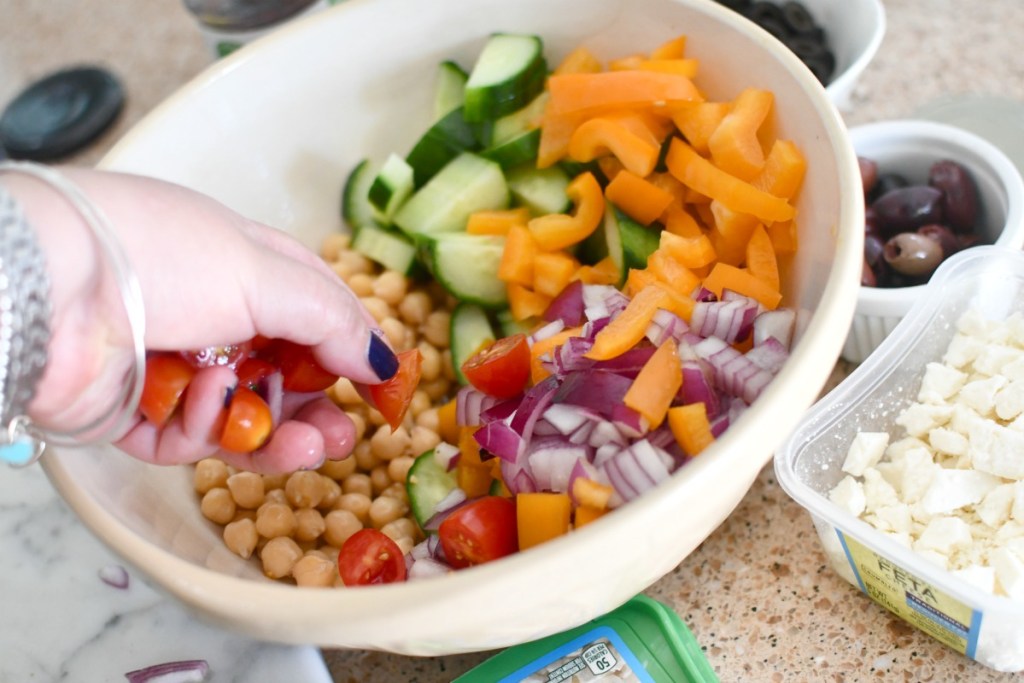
{"x":301,"y":371}
{"x":502,"y":369}
{"x":480,"y":531}
{"x":392,"y":397}
{"x":252,"y":371}
{"x":248,"y":422}
{"x":369,"y":557}
{"x":167,"y":377}
{"x":229,"y":355}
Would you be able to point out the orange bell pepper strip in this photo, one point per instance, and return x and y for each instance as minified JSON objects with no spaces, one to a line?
{"x":654,"y":388}
{"x":638,"y":198}
{"x":671,"y":272}
{"x":678,"y":221}
{"x":541,"y":517}
{"x":783,"y":171}
{"x":599,"y":137}
{"x":690,"y":426}
{"x":698,"y":120}
{"x":604,"y":272}
{"x":474,"y":480}
{"x":579,"y":61}
{"x":626,"y":63}
{"x":517,"y":259}
{"x":496,"y":222}
{"x":697,"y":172}
{"x":555,"y":133}
{"x":552,"y":271}
{"x":629,"y":326}
{"x":645,"y":124}
{"x":671,"y":184}
{"x":691,"y":252}
{"x":677,"y":300}
{"x":735,"y":146}
{"x":524,"y":303}
{"x":674,"y":48}
{"x":610,"y":167}
{"x":447,"y":426}
{"x":611,"y":90}
{"x":761,"y":260}
{"x":558,"y":231}
{"x":584,"y":515}
{"x":724,"y":276}
{"x":591,"y":494}
{"x":542,"y":347}
{"x":638,"y":279}
{"x":679,"y":67}
{"x":784,"y":237}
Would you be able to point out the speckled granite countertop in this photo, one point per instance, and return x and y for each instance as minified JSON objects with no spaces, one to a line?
{"x":758,"y":594}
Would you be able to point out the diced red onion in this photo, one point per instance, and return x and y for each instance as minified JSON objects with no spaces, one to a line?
{"x":517,"y":479}
{"x":449,"y":504}
{"x":571,"y":355}
{"x":704,"y":294}
{"x":606,"y":452}
{"x":567,"y":419}
{"x":547,"y":331}
{"x":605,"y":432}
{"x":777,"y":324}
{"x":628,"y":363}
{"x":593,"y":326}
{"x":629,"y":422}
{"x":114,"y":575}
{"x":273,"y":392}
{"x":500,"y":410}
{"x":498,"y":438}
{"x":733,"y":372}
{"x":581,"y":470}
{"x":770,"y":354}
{"x":665,"y":325}
{"x":599,"y":390}
{"x":719,"y":425}
{"x":551,"y":465}
{"x":544,"y":428}
{"x":582,"y":434}
{"x":426,"y":567}
{"x":567,"y":306}
{"x":662,"y":437}
{"x":446,"y":455}
{"x":637,"y":469}
{"x":187,"y":671}
{"x":697,"y":386}
{"x":534,"y":402}
{"x":470,"y":403}
{"x":729,"y":320}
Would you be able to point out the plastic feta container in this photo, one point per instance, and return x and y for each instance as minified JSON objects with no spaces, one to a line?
{"x":986,"y":627}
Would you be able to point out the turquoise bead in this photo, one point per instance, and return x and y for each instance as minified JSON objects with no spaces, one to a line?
{"x":17,"y":453}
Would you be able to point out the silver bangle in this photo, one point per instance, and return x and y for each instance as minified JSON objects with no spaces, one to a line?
{"x":21,"y":441}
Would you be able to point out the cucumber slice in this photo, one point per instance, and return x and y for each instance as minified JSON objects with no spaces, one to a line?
{"x":449,"y":89}
{"x":466,"y":184}
{"x":541,"y":190}
{"x":627,"y":242}
{"x":427,"y":484}
{"x":355,"y":205}
{"x":442,"y":142}
{"x":467,"y":267}
{"x":391,"y":187}
{"x":509,"y":325}
{"x":515,"y":152}
{"x":518,"y":122}
{"x":508,"y":74}
{"x":390,"y":248}
{"x":470,"y":330}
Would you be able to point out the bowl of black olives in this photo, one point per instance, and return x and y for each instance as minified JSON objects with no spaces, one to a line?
{"x":931,"y":190}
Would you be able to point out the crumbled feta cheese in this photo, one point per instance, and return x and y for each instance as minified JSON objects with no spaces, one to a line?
{"x":940,"y":382}
{"x":849,"y":495}
{"x":993,"y":358}
{"x":918,"y":471}
{"x":1009,"y":571}
{"x":920,"y":418}
{"x":865,"y":451}
{"x":953,"y":489}
{"x":947,"y":441}
{"x":878,"y":493}
{"x":1010,"y":400}
{"x":980,"y":394}
{"x":995,"y":508}
{"x":943,"y":535}
{"x":996,"y":449}
{"x":894,"y":518}
{"x":980,"y":576}
{"x":962,"y":351}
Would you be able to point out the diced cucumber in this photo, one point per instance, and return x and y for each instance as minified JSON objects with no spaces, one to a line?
{"x":508,"y":74}
{"x":515,"y":152}
{"x":541,"y":190}
{"x":390,"y":248}
{"x":628,"y":243}
{"x":355,"y":204}
{"x":470,"y":331}
{"x":467,"y":267}
{"x":443,"y":141}
{"x":449,"y":89}
{"x":518,"y":122}
{"x":427,"y":483}
{"x":391,"y":187}
{"x":466,"y":184}
{"x":509,"y":325}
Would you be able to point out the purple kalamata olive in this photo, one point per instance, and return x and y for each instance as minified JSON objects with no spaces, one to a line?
{"x":908,"y":208}
{"x":867,"y":276}
{"x":873,"y":247}
{"x":961,"y":196}
{"x":912,"y":254}
{"x":887,"y":182}
{"x":946,"y":238}
{"x":870,"y":221}
{"x":868,"y":174}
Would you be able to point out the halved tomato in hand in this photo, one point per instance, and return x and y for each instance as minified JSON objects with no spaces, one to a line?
{"x":480,"y":531}
{"x":369,"y":557}
{"x":502,"y":369}
{"x":252,"y":371}
{"x":392,"y":397}
{"x":167,"y":377}
{"x":248,"y":422}
{"x":229,"y":355}
{"x":301,"y":371}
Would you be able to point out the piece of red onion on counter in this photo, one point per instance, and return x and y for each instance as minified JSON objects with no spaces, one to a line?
{"x":114,"y":575}
{"x":185,"y":671}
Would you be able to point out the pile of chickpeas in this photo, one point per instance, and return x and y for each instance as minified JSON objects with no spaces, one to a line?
{"x":296,"y":523}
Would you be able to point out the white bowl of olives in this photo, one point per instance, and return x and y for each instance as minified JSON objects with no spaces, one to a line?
{"x":930,"y":191}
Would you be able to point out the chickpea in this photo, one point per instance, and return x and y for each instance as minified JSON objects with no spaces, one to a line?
{"x":415,"y":307}
{"x":403,"y":527}
{"x":396,"y":333}
{"x":279,"y":555}
{"x":274,"y":481}
{"x":437,"y":389}
{"x":338,"y":469}
{"x":378,"y":308}
{"x":396,"y":490}
{"x":379,"y":478}
{"x":398,"y":469}
{"x":274,"y":495}
{"x":313,"y":571}
{"x":240,"y":537}
{"x":330,"y":552}
{"x":356,"y":262}
{"x":339,"y":525}
{"x":430,"y":365}
{"x":275,"y":519}
{"x":388,"y":445}
{"x":344,"y":392}
{"x":423,"y":439}
{"x":405,"y":544}
{"x":309,"y":524}
{"x":356,"y":503}
{"x":448,"y":365}
{"x":247,"y":489}
{"x":361,"y":284}
{"x":374,"y":417}
{"x":242,"y":513}
{"x":386,"y":509}
{"x":333,"y":245}
{"x":332,"y":492}
{"x":429,"y":419}
{"x":436,"y":328}
{"x":209,"y":473}
{"x":391,"y":286}
{"x":420,"y":402}
{"x":359,"y":422}
{"x":365,"y":457}
{"x":218,"y":506}
{"x":305,"y":489}
{"x":342,"y":270}
{"x":357,"y":483}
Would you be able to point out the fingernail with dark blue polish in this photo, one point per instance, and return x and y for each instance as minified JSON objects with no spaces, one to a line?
{"x":382,"y":358}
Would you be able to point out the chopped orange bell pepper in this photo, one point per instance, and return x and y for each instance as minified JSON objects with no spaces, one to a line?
{"x":783,"y":236}
{"x":541,"y":517}
{"x":447,"y":426}
{"x":598,"y":137}
{"x":552,"y":271}
{"x":678,"y":221}
{"x":629,"y":326}
{"x":654,"y":388}
{"x":555,"y":133}
{"x":558,"y":231}
{"x":496,"y":222}
{"x":592,"y":494}
{"x":640,"y":199}
{"x":691,"y":252}
{"x":542,"y":347}
{"x":579,"y":61}
{"x":698,"y":120}
{"x":671,"y":272}
{"x":690,"y":426}
{"x":761,"y":260}
{"x":674,"y":48}
{"x":734,"y":145}
{"x":524,"y":303}
{"x":638,"y":279}
{"x":517,"y":259}
{"x":608,"y":90}
{"x":585,"y":514}
{"x":699,"y":173}
{"x":783,"y":170}
{"x":724,"y":276}
{"x":604,"y":272}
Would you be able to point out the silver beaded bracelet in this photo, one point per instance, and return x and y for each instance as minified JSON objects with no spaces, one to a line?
{"x":24,"y":324}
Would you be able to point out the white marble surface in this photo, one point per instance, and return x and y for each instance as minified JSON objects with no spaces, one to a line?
{"x":61,"y":622}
